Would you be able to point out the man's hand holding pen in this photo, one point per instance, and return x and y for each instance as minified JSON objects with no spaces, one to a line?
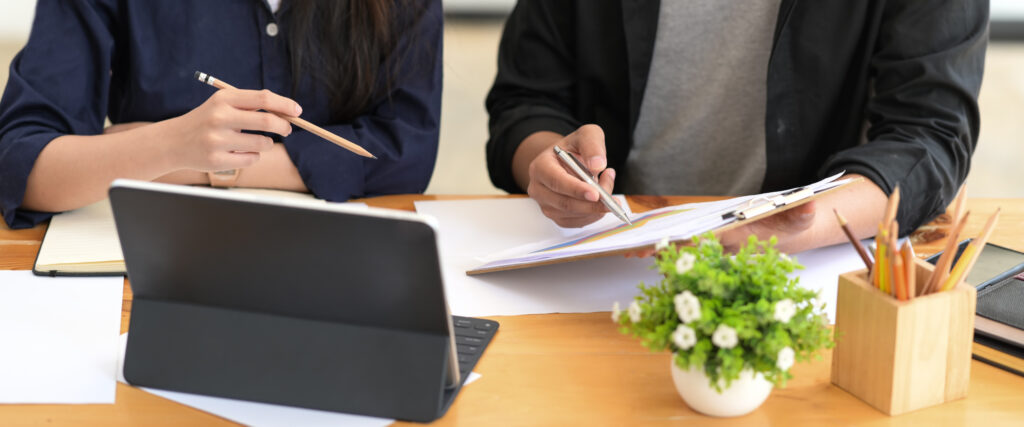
{"x":561,"y":194}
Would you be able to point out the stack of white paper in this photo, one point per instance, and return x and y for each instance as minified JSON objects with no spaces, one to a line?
{"x":472,"y":229}
{"x":59,"y":338}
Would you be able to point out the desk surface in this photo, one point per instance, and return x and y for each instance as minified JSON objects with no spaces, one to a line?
{"x":584,"y":371}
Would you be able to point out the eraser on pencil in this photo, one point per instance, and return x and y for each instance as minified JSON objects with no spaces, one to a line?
{"x":203,"y":77}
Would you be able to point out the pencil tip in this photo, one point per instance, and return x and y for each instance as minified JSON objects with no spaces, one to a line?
{"x":839,"y":216}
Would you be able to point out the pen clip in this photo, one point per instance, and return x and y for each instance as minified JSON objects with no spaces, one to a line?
{"x":577,"y":166}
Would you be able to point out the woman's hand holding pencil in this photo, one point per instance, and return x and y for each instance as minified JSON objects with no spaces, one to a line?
{"x":210,"y":138}
{"x":287,"y":113}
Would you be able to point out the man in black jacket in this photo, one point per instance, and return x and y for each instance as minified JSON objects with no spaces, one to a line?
{"x":737,"y":97}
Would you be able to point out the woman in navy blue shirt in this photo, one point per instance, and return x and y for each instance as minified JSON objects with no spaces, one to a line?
{"x":367,"y":70}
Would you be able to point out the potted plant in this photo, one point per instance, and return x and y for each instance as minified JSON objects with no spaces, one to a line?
{"x":734,"y":323}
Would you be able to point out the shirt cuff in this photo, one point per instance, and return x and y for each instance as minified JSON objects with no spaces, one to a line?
{"x":16,"y":161}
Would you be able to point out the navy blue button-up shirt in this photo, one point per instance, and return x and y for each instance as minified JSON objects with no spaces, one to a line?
{"x":134,"y":61}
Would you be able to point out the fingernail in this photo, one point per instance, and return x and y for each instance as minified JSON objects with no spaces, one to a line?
{"x":610,"y":173}
{"x":298,"y":110}
{"x":592,"y":196}
{"x":598,"y":163}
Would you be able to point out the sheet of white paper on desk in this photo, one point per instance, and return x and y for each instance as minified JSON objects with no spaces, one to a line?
{"x":822,"y":268}
{"x":261,"y":414}
{"x":59,"y":338}
{"x":470,"y":229}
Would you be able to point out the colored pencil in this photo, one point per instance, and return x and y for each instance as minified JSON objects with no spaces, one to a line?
{"x":892,"y":206}
{"x":881,"y":259}
{"x":941,"y":270}
{"x":853,"y":240}
{"x":899,"y":274}
{"x":907,"y":253}
{"x":894,"y":252}
{"x":314,"y":129}
{"x":970,"y":255}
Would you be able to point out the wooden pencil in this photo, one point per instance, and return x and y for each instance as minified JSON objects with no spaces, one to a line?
{"x":881,"y":255}
{"x":941,"y":270}
{"x":970,"y":255}
{"x":892,"y":206}
{"x":314,"y":129}
{"x":873,"y":272}
{"x":853,"y":240}
{"x":899,"y":274}
{"x":907,"y":252}
{"x":894,"y":253}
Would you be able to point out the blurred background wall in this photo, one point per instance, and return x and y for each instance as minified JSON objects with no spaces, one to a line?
{"x":473,"y":29}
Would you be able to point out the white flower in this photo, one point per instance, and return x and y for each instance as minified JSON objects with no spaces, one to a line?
{"x":724,"y":337}
{"x":616,"y":312}
{"x":684,"y":337}
{"x":662,"y":244}
{"x":687,"y":306}
{"x":784,"y":310}
{"x":817,"y":302}
{"x":685,"y":262}
{"x":634,"y":312}
{"x":785,"y":257}
{"x":785,"y":359}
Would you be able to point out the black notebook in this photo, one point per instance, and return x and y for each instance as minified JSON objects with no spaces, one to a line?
{"x":998,"y":276}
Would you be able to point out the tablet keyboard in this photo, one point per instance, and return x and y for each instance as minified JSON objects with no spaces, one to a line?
{"x":472,"y":336}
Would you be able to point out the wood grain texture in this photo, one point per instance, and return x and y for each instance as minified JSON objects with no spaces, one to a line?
{"x":576,"y":369}
{"x":901,"y":356}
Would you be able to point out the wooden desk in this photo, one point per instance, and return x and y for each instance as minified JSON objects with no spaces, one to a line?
{"x":584,"y":372}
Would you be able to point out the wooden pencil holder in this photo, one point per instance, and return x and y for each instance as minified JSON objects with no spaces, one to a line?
{"x":900,"y":356}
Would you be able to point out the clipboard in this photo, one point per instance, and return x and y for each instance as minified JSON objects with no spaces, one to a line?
{"x":732,"y":216}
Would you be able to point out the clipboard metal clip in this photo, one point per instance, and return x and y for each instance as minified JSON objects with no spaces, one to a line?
{"x":760,"y":205}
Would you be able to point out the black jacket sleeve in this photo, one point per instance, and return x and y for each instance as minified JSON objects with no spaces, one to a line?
{"x":534,"y":88}
{"x":923,"y":119}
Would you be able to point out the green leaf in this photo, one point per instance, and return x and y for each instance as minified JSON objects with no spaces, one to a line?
{"x":738,"y":290}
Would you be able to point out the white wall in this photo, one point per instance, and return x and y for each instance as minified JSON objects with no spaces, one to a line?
{"x":16,"y":15}
{"x":16,"y":19}
{"x":1007,"y":10}
{"x":478,"y":6}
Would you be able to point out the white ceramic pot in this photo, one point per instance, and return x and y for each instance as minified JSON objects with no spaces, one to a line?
{"x":743,"y":396}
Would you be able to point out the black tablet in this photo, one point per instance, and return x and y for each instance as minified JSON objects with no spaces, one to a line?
{"x":300,"y":302}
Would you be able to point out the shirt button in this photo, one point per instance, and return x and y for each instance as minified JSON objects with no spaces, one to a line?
{"x":272,"y":29}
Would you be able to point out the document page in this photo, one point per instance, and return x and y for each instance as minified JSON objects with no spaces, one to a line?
{"x":59,"y":338}
{"x":676,"y":223}
{"x":470,"y":230}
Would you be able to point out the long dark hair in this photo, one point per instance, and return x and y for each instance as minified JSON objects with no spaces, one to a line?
{"x":342,"y":44}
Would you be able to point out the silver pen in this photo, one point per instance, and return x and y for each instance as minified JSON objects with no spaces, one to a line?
{"x":581,"y":171}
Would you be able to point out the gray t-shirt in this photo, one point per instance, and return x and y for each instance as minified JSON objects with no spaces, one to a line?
{"x":701,"y":124}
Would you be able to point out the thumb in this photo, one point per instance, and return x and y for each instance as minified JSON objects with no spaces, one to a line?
{"x":588,"y":143}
